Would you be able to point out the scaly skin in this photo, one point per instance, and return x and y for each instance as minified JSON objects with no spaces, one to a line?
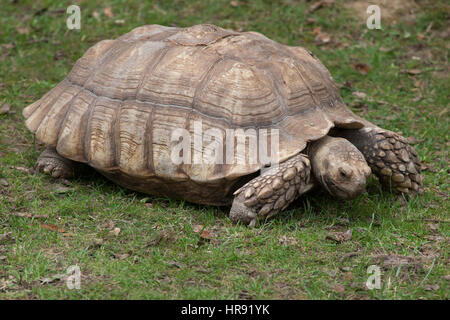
{"x":272,"y":192}
{"x":390,"y":157}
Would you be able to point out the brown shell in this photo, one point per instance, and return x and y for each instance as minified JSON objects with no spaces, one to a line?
{"x":118,"y":106}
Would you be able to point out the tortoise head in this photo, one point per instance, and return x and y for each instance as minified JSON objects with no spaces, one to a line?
{"x":339,"y":167}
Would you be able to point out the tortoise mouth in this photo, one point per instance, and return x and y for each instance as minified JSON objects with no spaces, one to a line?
{"x":337,"y":190}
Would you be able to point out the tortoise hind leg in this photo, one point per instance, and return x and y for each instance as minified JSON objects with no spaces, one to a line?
{"x":390,"y":157}
{"x":272,"y":191}
{"x":51,"y":163}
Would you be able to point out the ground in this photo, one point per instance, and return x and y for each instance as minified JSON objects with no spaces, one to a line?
{"x":133,"y":246}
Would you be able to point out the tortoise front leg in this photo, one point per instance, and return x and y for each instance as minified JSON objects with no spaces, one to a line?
{"x":272,"y":191}
{"x":390,"y":157}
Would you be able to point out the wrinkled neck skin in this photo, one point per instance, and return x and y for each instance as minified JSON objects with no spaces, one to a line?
{"x":338,"y":167}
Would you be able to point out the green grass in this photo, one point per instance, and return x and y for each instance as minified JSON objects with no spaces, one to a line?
{"x":157,"y":253}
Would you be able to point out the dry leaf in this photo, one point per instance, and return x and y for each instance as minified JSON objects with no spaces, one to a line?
{"x":433,"y":287}
{"x":340,"y":236}
{"x":197,"y":228}
{"x":202,"y":270}
{"x":23,"y":169}
{"x":115,"y":231}
{"x":384,"y":49}
{"x":206,"y":235}
{"x":443,"y":112}
{"x":284,"y":240}
{"x":59,"y":55}
{"x":321,"y":36}
{"x":5,"y":236}
{"x":9,"y":45}
{"x":108,"y":225}
{"x":310,"y":20}
{"x":348,"y":276}
{"x":434,"y":226}
{"x":57,"y":12}
{"x":54,"y":278}
{"x":412,"y":72}
{"x":149,"y":205}
{"x":23,"y":30}
{"x":108,"y":12}
{"x":6,"y":108}
{"x":29,"y":215}
{"x":234,"y":3}
{"x":96,"y":15}
{"x":418,"y":83}
{"x":346,"y":269}
{"x":347,"y":235}
{"x":362,"y":68}
{"x":313,"y":7}
{"x":158,"y":9}
{"x":338,"y":288}
{"x":350,"y":255}
{"x":332,"y":273}
{"x":348,"y":84}
{"x":319,"y":4}
{"x":4,"y":183}
{"x":359,"y":95}
{"x":175,"y":264}
{"x":244,"y":295}
{"x":6,"y":284}
{"x":119,"y":21}
{"x":121,"y":256}
{"x":52,"y":227}
{"x":61,"y":189}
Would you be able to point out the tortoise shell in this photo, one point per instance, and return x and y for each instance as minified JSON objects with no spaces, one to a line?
{"x":118,"y":106}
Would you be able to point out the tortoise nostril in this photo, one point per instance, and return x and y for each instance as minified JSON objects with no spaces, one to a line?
{"x":345,"y":172}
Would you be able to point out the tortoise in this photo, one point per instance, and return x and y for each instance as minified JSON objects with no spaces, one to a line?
{"x":119,"y":106}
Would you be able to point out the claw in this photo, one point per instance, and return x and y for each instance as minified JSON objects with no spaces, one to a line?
{"x":49,"y":168}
